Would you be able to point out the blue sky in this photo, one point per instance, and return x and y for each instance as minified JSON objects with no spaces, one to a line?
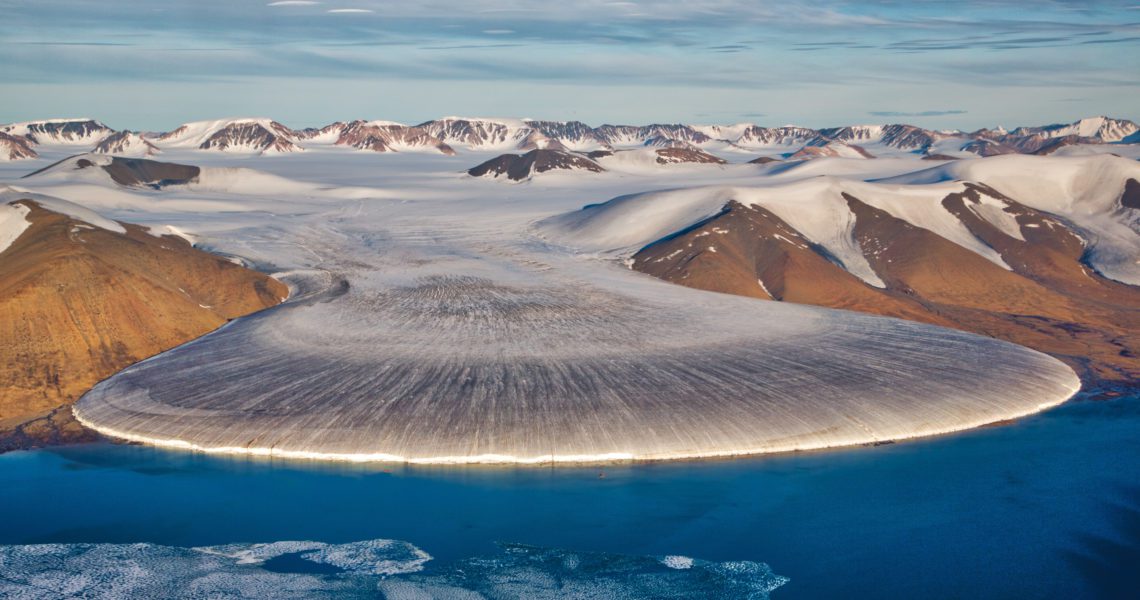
{"x":151,"y":64}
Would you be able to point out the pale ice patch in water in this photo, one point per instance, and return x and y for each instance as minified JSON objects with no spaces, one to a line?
{"x":677,"y":562}
{"x":394,"y":568}
{"x":533,"y":572}
{"x":113,"y":571}
{"x":255,"y":554}
{"x":374,"y":557}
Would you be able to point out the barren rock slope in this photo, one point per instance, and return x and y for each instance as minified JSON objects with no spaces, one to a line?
{"x":79,"y":302}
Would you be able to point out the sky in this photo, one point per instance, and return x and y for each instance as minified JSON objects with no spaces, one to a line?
{"x":152,"y":64}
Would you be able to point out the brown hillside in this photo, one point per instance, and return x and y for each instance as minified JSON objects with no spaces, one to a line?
{"x":79,"y":303}
{"x":748,"y":251}
{"x":1048,"y":300}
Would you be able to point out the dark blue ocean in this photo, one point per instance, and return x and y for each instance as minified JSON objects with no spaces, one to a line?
{"x":1048,"y":506}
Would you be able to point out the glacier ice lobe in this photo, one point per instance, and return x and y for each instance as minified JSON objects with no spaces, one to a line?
{"x":457,"y":357}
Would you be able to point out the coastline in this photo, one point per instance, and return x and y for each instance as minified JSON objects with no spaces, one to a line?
{"x":65,"y":425}
{"x":559,"y":460}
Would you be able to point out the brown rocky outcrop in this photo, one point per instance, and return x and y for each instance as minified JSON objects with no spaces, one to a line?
{"x":15,"y":147}
{"x":667,"y":156}
{"x":1048,"y":299}
{"x":79,"y":303}
{"x":519,"y":167}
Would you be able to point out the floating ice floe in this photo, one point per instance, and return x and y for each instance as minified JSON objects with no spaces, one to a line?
{"x":395,"y":569}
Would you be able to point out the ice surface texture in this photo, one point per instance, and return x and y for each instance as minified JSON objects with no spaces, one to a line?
{"x":520,"y":360}
{"x":368,"y":569}
{"x":432,"y":322}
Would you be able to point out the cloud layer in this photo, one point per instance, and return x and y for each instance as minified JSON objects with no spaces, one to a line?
{"x":814,"y":62}
{"x":923,"y":113}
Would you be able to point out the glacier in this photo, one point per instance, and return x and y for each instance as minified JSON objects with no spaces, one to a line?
{"x":431,"y":322}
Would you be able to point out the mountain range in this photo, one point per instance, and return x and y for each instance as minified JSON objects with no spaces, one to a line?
{"x":449,"y":135}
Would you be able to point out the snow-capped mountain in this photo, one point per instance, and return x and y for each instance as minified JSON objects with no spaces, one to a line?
{"x":536,"y":140}
{"x":899,"y":136}
{"x":1051,"y":145}
{"x":126,"y":143}
{"x":521,"y":167}
{"x":667,"y":156}
{"x":853,"y":133}
{"x":94,"y":282}
{"x":761,"y":137}
{"x":478,"y":134}
{"x":328,"y":134}
{"x":574,"y":135}
{"x":98,"y":168}
{"x":652,"y":160}
{"x":15,"y":147}
{"x":663,"y":141}
{"x":522,"y":134}
{"x":823,"y":147}
{"x":1096,"y":198}
{"x":724,"y":132}
{"x":1050,"y":138}
{"x":386,"y":136}
{"x":655,"y":135}
{"x":70,"y":132}
{"x":1013,"y":246}
{"x":457,"y":134}
{"x":255,"y":136}
{"x":987,"y":147}
{"x":1103,"y":129}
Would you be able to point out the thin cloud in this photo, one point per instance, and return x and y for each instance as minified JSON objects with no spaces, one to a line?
{"x":793,"y":54}
{"x":729,"y":48}
{"x":39,"y":43}
{"x":925,"y":113}
{"x":1112,"y":41}
{"x":471,"y":46}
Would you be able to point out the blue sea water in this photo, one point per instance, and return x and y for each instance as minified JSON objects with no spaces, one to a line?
{"x":1048,"y":506}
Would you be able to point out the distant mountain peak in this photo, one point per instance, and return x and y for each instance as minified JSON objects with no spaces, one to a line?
{"x":245,"y":134}
{"x":59,"y":131}
{"x":15,"y":147}
{"x":521,"y":167}
{"x":447,"y":135}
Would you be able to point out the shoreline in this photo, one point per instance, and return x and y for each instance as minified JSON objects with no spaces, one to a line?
{"x":87,"y":431}
{"x":1094,"y":390}
{"x":58,"y":426}
{"x":497,"y":460}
